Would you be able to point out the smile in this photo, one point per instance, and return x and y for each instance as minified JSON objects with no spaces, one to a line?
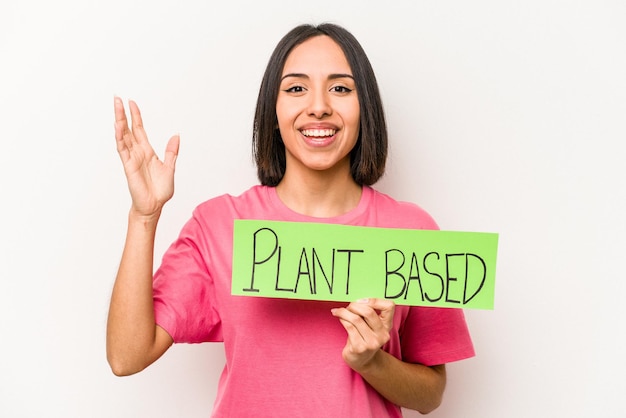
{"x":318,"y":133}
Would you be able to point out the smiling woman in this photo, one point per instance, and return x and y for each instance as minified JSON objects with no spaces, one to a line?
{"x":318,"y":118}
{"x":369,"y":155}
{"x":320,"y":142}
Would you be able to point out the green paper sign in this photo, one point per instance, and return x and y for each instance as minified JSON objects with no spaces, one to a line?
{"x":344,"y":263}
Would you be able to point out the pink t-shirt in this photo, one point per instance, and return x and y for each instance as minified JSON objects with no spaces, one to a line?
{"x":283,"y":357}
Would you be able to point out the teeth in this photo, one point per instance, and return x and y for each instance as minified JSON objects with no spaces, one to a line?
{"x":318,"y":132}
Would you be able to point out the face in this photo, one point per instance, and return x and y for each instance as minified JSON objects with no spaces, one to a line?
{"x":317,"y":107}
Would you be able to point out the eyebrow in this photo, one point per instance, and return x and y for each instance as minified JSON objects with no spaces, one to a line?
{"x":330,"y":77}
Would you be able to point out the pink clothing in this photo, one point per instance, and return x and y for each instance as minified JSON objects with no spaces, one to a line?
{"x":283,"y":357}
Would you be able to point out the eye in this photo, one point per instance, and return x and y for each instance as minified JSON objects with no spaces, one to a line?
{"x":295,"y":89}
{"x":341,"y":89}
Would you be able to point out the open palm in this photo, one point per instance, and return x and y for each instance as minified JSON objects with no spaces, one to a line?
{"x":150,"y":180}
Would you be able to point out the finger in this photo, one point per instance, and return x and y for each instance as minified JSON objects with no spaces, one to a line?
{"x":355,"y":338}
{"x":171,"y":151}
{"x":120,"y":114}
{"x":385,"y":307}
{"x":379,"y":304}
{"x":123,"y":136}
{"x":368,"y":313}
{"x":137,"y":122}
{"x":121,"y":123}
{"x":353,"y":321}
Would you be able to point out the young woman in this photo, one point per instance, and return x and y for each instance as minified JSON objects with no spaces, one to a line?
{"x":320,"y":142}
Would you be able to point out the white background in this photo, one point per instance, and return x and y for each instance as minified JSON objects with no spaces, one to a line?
{"x":505,"y":116}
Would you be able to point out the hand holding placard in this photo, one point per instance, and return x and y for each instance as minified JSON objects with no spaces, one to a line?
{"x":368,"y":323}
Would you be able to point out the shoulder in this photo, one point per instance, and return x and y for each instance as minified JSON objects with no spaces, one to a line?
{"x":215,"y":217}
{"x":234,"y":205}
{"x":400,"y":214}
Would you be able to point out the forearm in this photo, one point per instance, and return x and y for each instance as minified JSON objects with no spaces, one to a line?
{"x":131,"y":329}
{"x":412,"y":386}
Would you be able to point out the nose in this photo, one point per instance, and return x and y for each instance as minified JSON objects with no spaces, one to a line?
{"x":319,"y":104}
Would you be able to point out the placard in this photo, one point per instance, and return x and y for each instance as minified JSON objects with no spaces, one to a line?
{"x":317,"y":261}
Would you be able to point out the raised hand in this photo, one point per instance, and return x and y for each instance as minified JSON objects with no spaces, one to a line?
{"x":150,"y":180}
{"x":368,"y":323}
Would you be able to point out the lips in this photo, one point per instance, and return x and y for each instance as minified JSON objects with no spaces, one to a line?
{"x":319,"y":137}
{"x":317,"y":133}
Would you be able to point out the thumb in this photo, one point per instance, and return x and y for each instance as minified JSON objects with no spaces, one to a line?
{"x":171,"y":151}
{"x":385,"y":309}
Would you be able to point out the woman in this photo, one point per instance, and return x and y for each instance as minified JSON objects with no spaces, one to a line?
{"x":319,"y":141}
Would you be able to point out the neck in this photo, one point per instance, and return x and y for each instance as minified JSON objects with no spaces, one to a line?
{"x":321,"y":194}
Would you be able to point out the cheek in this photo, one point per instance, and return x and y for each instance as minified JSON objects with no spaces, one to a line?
{"x":351,"y":114}
{"x":356,"y":130}
{"x":284,"y":114}
{"x":354,"y":122}
{"x":284,"y":127}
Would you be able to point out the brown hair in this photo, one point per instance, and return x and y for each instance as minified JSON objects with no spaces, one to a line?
{"x":368,"y":157}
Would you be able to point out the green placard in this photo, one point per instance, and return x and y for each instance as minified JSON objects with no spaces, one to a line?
{"x":317,"y":261}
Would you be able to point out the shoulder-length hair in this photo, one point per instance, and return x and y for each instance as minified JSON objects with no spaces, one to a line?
{"x":368,"y":157}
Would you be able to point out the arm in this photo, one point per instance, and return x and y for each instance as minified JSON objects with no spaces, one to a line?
{"x":134,"y":341}
{"x":413,"y":386}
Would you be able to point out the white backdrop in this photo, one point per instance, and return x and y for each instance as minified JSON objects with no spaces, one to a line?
{"x":505,"y":116}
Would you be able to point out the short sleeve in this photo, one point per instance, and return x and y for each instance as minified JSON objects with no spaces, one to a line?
{"x":183,"y":290}
{"x":433,"y":336}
